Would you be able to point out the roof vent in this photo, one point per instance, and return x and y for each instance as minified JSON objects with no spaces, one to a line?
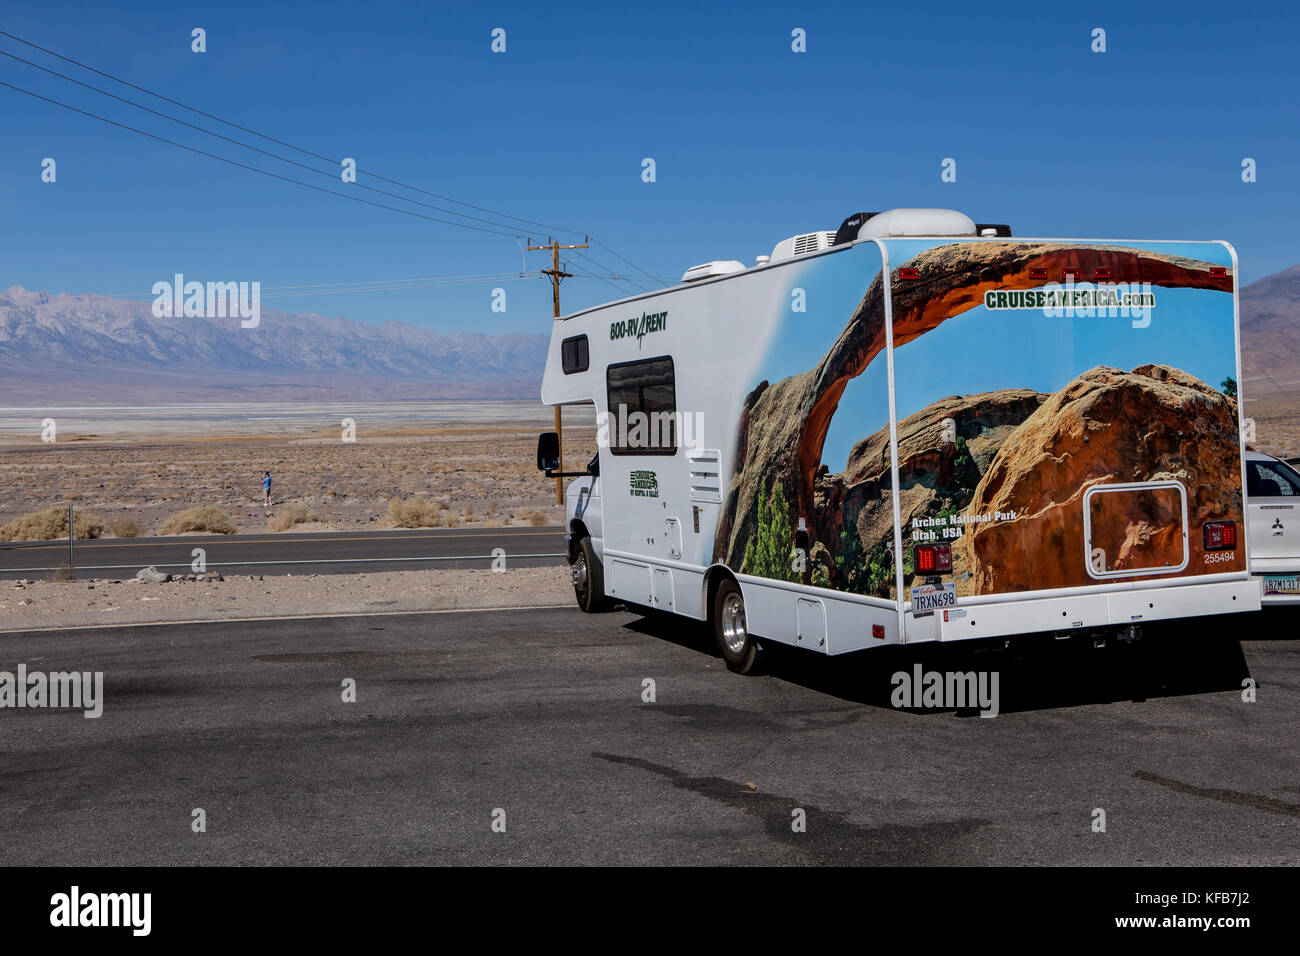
{"x":709,"y":270}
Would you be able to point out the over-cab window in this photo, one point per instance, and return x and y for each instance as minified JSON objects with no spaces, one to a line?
{"x":573,"y":354}
{"x":642,"y":407}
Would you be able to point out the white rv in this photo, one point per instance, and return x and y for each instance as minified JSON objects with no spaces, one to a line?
{"x":913,"y":428}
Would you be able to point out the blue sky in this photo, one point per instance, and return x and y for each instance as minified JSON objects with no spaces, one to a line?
{"x":752,"y":142}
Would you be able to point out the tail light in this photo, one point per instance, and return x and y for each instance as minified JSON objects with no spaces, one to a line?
{"x":1071,"y":274}
{"x":932,"y":559}
{"x":1101,"y":272}
{"x":1037,"y":273}
{"x":1219,"y":535}
{"x":909,"y":273}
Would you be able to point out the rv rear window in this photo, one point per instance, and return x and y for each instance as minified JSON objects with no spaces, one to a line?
{"x":573,"y":355}
{"x":642,"y":407}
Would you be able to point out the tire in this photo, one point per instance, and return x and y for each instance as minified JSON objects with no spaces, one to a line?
{"x":740,"y":649}
{"x":588,"y":577}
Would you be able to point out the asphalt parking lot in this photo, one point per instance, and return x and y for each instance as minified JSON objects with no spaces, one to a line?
{"x":538,"y":718}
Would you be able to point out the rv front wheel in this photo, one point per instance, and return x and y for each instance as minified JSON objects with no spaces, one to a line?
{"x":588,"y":577}
{"x":738,"y":647}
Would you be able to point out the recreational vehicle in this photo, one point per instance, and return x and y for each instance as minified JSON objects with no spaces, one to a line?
{"x":914,"y":427}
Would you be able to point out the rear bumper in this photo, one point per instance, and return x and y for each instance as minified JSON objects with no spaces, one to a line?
{"x":1085,"y":611}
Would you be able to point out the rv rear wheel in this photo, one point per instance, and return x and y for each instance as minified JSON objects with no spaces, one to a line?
{"x":588,"y":577}
{"x":739,"y":648}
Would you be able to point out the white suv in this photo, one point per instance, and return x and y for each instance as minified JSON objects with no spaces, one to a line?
{"x":1273,"y":510}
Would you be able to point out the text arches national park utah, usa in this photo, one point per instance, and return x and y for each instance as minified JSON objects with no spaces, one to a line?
{"x":1061,"y":418}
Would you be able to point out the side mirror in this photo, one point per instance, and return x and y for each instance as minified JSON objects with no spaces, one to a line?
{"x":548,"y":451}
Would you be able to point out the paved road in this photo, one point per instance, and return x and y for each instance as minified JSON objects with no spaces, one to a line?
{"x":336,"y":552}
{"x":540,"y":714}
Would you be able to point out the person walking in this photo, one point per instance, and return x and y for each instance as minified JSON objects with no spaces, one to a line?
{"x":266,"y":490}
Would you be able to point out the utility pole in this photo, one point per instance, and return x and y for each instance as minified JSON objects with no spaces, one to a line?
{"x":555,"y":274}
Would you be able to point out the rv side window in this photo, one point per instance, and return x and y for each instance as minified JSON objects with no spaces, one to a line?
{"x":642,"y":407}
{"x":573,"y":355}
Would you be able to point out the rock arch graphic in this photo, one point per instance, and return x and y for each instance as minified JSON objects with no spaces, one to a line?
{"x":783,"y":426}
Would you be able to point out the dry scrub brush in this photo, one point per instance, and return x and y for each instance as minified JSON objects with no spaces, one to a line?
{"x":420,"y":513}
{"x":290,"y":516}
{"x":51,"y":524}
{"x":204,"y":518}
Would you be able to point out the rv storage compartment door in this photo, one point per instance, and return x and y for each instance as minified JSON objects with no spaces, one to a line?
{"x":810,"y":624}
{"x":1135,"y":529}
{"x":663,"y":589}
{"x":630,"y":581}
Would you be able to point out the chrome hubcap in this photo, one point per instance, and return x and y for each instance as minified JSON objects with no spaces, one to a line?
{"x":734,"y":632}
{"x":579,"y":573}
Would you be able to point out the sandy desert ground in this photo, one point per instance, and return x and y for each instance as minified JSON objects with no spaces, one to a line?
{"x":480,"y":465}
{"x":37,"y":603}
{"x":1277,"y":426}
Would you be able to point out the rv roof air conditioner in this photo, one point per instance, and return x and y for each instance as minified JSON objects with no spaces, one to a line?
{"x":709,"y":270}
{"x":802,"y":245}
{"x":903,"y":223}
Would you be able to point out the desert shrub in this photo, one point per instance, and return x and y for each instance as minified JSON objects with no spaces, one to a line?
{"x":535,"y":518}
{"x":286,"y":518}
{"x":51,"y":524}
{"x":204,"y":518}
{"x":770,"y":552}
{"x":125,"y":528}
{"x":415,"y":512}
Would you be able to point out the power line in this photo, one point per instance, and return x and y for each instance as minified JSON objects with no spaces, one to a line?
{"x":583,"y":275}
{"x":624,"y":276}
{"x":279,"y":142}
{"x":623,"y":259}
{"x":613,"y":273}
{"x":255,"y":169}
{"x":255,"y":149}
{"x":299,"y":149}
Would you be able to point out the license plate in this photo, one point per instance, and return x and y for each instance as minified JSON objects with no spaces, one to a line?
{"x":1274,"y":584}
{"x":927,"y":598}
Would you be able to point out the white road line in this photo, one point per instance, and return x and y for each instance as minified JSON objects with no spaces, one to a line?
{"x":234,"y":564}
{"x":286,"y":617}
